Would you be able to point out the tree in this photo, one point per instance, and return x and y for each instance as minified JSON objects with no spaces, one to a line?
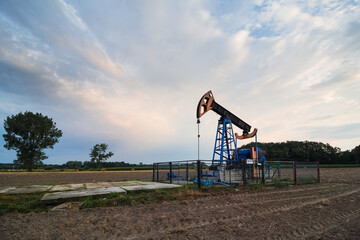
{"x":73,"y":164}
{"x":98,"y":154}
{"x":29,"y":134}
{"x":356,"y":152}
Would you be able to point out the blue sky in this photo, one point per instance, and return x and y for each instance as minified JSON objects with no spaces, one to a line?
{"x":130,"y":73}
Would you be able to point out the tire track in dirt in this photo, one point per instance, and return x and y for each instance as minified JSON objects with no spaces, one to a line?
{"x":317,"y":225}
{"x":260,"y":198}
{"x":254,"y":212}
{"x":196,"y":213}
{"x":257,"y":213}
{"x":328,"y":224}
{"x":315,"y":229}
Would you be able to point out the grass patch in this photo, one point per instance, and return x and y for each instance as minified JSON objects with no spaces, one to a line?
{"x":339,"y":165}
{"x":152,"y":196}
{"x":22,"y":203}
{"x":132,"y":198}
{"x":306,"y":181}
{"x":253,"y":186}
{"x":278,"y":184}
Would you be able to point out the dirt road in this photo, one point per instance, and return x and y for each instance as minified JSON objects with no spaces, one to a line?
{"x":317,"y":211}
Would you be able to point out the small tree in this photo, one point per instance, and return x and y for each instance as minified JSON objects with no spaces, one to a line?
{"x":98,"y":154}
{"x":29,"y":134}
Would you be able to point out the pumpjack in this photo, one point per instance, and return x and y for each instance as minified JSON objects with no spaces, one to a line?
{"x":226,"y":155}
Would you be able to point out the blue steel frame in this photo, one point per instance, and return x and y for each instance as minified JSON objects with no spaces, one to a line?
{"x":225,"y":143}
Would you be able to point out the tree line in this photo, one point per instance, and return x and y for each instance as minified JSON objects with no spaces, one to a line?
{"x":81,"y":165}
{"x":307,"y":151}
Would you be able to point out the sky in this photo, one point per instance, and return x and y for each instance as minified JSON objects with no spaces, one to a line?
{"x":131,"y":73}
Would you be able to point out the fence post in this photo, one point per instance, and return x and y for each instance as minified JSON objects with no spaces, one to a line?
{"x":153,"y":178}
{"x":294,"y":168}
{"x":157,"y":172}
{"x":187,"y":172}
{"x":263,"y":173}
{"x":198,"y":173}
{"x":279,"y":171}
{"x":318,"y":171}
{"x":244,"y":171}
{"x":170,"y":172}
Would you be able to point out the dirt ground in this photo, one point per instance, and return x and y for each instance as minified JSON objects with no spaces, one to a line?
{"x":330,"y":210}
{"x":33,"y":178}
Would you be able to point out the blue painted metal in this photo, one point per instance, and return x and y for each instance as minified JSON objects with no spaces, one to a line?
{"x":256,"y":149}
{"x":205,"y":182}
{"x":228,"y":184}
{"x":173,"y":176}
{"x":225,"y":143}
{"x":245,"y":154}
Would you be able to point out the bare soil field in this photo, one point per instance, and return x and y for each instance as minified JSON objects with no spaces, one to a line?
{"x":33,"y":178}
{"x":330,"y":210}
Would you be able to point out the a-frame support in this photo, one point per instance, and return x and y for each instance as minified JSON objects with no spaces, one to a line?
{"x":225,"y":148}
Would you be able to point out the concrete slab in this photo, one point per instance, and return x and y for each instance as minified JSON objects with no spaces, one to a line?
{"x":126,"y":183}
{"x":182,"y":182}
{"x":98,"y":185}
{"x":66,"y":187}
{"x":30,"y":189}
{"x":148,"y":187}
{"x":6,"y":189}
{"x":59,"y":196}
{"x":148,"y":183}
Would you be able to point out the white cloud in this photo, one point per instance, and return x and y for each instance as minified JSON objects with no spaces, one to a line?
{"x":133,"y":76}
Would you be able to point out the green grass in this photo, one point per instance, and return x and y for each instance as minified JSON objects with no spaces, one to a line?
{"x":254,"y":186}
{"x":279,"y":184}
{"x":306,"y":181}
{"x":274,"y":183}
{"x":22,"y":203}
{"x":339,"y":165}
{"x":143,"y":197}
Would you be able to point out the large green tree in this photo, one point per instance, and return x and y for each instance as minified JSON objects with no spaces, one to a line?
{"x":98,"y":154}
{"x":29,"y":134}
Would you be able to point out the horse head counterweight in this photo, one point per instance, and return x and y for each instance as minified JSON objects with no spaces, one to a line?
{"x":207,"y":102}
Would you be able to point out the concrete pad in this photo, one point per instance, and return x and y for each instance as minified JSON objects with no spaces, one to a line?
{"x":126,"y":183}
{"x":30,"y":189}
{"x":182,"y":182}
{"x":148,"y":183}
{"x":58,"y":196}
{"x":148,"y":187}
{"x":66,"y":187}
{"x":98,"y":185}
{"x":6,"y":189}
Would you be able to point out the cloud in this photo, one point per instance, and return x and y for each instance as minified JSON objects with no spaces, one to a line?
{"x":133,"y":77}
